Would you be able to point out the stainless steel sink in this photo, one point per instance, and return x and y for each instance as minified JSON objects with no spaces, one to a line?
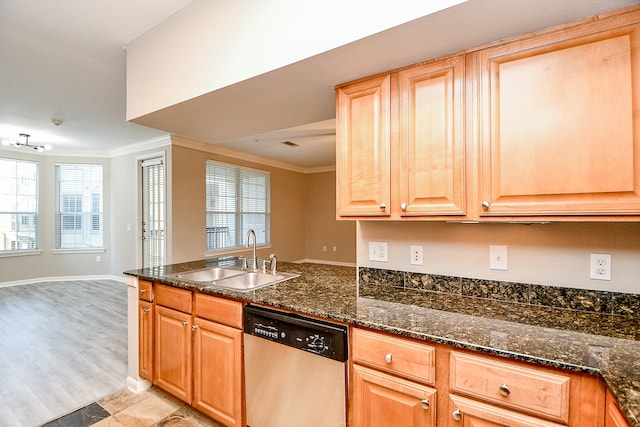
{"x":207,"y":274}
{"x":229,"y":278}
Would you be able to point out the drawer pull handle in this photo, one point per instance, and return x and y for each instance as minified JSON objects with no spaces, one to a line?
{"x":505,"y":390}
{"x":388,"y":357}
{"x":142,"y":291}
{"x":194,"y":327}
{"x":185,"y":323}
{"x":383,"y":206}
{"x":486,"y":205}
{"x":425,"y":404}
{"x":146,"y":310}
{"x":403,"y":206}
{"x":457,"y":415}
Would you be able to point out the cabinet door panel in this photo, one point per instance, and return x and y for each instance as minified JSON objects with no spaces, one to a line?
{"x":471,"y":413}
{"x":145,"y":339}
{"x":217,"y":369}
{"x":173,"y":352}
{"x":382,"y":400}
{"x":431,"y":139}
{"x":363,"y":148}
{"x":560,"y":133}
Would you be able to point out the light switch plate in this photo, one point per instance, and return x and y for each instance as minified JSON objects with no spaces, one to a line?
{"x":498,"y":257}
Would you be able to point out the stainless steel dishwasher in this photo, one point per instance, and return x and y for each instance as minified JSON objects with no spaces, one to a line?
{"x":295,"y":370}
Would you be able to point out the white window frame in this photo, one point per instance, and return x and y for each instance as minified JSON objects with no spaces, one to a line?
{"x":227,"y":221}
{"x":18,"y":201}
{"x":82,"y":182}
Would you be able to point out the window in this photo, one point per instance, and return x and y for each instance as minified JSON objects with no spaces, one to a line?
{"x":18,"y":206}
{"x":79,"y":206}
{"x":237,"y":199}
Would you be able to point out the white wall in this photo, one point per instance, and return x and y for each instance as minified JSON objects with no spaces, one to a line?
{"x":214,"y":44}
{"x":550,"y":254}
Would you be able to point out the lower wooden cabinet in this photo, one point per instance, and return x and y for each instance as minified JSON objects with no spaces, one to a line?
{"x":382,"y":400}
{"x":471,"y":413}
{"x":217,"y":371}
{"x":190,"y":345}
{"x":173,"y":352}
{"x":145,"y":339}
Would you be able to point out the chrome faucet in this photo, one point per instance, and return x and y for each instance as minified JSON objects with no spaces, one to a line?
{"x":254,"y":262}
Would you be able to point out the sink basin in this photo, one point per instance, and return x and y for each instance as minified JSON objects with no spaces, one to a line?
{"x":229,"y":278}
{"x":207,"y":274}
{"x":252,"y":280}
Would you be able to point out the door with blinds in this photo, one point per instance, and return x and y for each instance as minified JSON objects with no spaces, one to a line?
{"x":153,"y":213}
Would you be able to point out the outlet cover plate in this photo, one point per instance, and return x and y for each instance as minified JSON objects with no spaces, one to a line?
{"x":601,"y":266}
{"x":378,"y":251}
{"x":498,"y":257}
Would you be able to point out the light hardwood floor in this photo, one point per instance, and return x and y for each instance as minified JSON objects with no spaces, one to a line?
{"x":63,"y":345}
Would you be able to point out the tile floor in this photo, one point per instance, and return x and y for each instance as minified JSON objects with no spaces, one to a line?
{"x":150,"y":408}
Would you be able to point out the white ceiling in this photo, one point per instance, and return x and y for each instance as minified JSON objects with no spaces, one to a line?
{"x":65,"y":60}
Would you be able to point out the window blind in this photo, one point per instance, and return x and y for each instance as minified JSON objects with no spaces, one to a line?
{"x":18,"y":205}
{"x":79,"y":217}
{"x":237,"y":199}
{"x":153,"y":212}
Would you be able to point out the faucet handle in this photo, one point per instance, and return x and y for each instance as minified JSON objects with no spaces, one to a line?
{"x":274,"y":262}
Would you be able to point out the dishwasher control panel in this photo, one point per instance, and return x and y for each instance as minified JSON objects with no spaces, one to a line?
{"x":304,"y":333}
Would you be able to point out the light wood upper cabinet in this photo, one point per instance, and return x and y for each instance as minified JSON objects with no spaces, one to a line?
{"x":363,"y":148}
{"x":559,"y":122}
{"x":400,"y":144}
{"x":431,"y":166}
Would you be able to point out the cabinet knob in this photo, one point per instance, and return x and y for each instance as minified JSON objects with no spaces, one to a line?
{"x":142,"y":291}
{"x":425,"y":404}
{"x":185,"y":323}
{"x":505,"y":390}
{"x":403,"y":206}
{"x":388,"y":357}
{"x":457,"y":415}
{"x":194,"y":327}
{"x":486,"y":204}
{"x":146,"y":310}
{"x":383,"y":206}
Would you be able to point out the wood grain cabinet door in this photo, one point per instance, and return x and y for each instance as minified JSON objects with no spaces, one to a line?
{"x":172,"y":371}
{"x":363,"y":176}
{"x":382,"y":400}
{"x":559,"y":122}
{"x":217,"y":371}
{"x":432,"y":156}
{"x":145,"y":339}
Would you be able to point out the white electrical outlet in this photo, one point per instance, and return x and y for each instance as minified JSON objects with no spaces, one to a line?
{"x":601,"y":266}
{"x":378,"y":251}
{"x":498,"y":257}
{"x":416,"y":255}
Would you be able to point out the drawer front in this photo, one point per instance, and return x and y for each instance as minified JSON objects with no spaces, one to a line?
{"x":145,"y":290}
{"x":396,"y":355}
{"x":219,"y":310}
{"x":175,"y":298}
{"x":512,"y":385}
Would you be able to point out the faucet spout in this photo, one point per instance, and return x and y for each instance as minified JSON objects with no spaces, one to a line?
{"x":254,"y":262}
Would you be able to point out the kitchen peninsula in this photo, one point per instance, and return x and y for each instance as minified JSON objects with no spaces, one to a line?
{"x":596,"y":351}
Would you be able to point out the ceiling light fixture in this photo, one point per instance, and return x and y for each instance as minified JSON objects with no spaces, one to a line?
{"x":23,"y":141}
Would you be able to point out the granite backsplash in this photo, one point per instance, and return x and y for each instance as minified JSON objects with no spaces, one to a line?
{"x":602,"y":302}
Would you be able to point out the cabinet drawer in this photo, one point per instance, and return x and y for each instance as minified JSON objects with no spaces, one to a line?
{"x":399,"y":356}
{"x":219,"y":310}
{"x":145,"y":290}
{"x":528,"y":389}
{"x":178,"y":299}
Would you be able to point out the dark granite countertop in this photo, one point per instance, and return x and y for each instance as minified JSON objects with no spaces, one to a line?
{"x":604,"y":345}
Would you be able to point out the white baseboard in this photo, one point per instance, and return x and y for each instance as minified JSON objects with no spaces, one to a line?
{"x":322,"y":261}
{"x":137,"y":385}
{"x":61,"y":279}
